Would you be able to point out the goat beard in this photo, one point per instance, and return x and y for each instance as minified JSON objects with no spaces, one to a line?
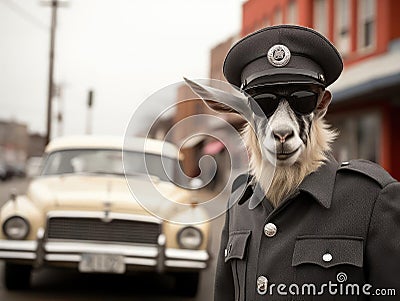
{"x":286,"y":179}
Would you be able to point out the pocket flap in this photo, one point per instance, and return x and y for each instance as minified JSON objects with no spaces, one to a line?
{"x":236,"y":247}
{"x":328,"y":251}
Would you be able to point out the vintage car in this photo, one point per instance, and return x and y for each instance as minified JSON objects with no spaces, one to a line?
{"x":80,"y":213}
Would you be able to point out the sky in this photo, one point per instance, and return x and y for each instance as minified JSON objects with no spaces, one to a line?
{"x":125,"y":50}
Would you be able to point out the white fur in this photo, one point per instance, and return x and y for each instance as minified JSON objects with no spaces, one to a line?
{"x":288,"y":177}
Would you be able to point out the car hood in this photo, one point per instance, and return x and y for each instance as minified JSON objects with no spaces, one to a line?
{"x":76,"y":192}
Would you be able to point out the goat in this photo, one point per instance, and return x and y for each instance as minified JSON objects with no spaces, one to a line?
{"x":293,"y":145}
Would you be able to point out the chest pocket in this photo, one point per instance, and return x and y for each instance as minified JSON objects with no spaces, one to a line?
{"x":236,"y":255}
{"x":322,"y":259}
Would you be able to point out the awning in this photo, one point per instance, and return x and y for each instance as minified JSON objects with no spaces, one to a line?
{"x":370,"y":75}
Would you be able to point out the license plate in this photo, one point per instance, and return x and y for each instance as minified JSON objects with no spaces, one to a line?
{"x":102,"y":263}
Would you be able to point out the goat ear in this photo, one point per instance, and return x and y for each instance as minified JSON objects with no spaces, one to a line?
{"x":324,"y":103}
{"x":221,"y":101}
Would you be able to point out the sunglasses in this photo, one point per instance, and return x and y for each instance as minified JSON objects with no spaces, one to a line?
{"x":302,"y":102}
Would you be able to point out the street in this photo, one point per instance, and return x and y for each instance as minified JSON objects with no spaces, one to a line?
{"x":65,"y":284}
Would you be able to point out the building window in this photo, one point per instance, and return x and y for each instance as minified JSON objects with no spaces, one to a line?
{"x":366,"y":23}
{"x":278,"y":17}
{"x":359,"y":137}
{"x":321,"y":16}
{"x":292,"y":13}
{"x":342,"y":18}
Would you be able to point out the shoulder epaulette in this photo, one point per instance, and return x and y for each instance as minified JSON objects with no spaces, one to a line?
{"x":369,"y":169}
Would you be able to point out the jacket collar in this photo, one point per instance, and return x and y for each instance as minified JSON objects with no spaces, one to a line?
{"x":257,"y":197}
{"x":319,"y":184}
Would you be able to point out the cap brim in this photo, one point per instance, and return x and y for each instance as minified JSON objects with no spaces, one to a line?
{"x":282,"y":79}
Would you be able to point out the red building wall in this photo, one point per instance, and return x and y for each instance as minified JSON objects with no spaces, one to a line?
{"x":394,"y":28}
{"x":255,"y":12}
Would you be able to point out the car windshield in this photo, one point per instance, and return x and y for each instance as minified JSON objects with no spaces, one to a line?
{"x":109,"y":162}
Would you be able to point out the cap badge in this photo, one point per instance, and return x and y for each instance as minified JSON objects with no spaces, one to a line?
{"x":279,"y":55}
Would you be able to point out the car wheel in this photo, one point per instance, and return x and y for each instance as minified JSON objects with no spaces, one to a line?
{"x":17,"y":276}
{"x":187,"y":283}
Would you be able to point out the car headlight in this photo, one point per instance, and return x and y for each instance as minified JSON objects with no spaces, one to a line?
{"x":190,"y":238}
{"x":16,"y":227}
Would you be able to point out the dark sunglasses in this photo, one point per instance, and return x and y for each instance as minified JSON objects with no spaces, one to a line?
{"x":302,"y":102}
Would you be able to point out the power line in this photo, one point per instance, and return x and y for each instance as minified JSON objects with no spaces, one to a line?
{"x":26,"y":15}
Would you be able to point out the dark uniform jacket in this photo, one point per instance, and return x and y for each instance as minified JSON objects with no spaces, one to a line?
{"x":340,"y":228}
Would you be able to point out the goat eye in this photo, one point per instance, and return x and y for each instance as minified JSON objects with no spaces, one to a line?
{"x":267,"y":103}
{"x":303,"y":102}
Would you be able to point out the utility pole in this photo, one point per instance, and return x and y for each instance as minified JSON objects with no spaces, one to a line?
{"x":58,"y":94}
{"x":54,"y":5}
{"x":89,"y":113}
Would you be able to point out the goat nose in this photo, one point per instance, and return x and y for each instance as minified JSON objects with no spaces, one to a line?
{"x":282,"y":134}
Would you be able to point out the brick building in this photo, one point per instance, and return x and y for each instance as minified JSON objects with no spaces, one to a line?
{"x":188,"y":106}
{"x":198,"y":146}
{"x":37,"y":144}
{"x":17,"y":144}
{"x":14,"y":142}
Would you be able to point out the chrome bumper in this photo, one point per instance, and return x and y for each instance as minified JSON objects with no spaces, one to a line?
{"x":14,"y":249}
{"x":134,"y":255}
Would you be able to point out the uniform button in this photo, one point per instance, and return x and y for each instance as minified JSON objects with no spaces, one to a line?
{"x":270,"y":229}
{"x":226,"y":252}
{"x":345,"y":163}
{"x":262,"y":284}
{"x":327,"y":257}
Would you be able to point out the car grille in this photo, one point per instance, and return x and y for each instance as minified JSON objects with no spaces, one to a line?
{"x":94,"y":229}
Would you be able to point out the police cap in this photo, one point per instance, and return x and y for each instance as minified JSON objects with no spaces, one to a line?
{"x":282,"y":54}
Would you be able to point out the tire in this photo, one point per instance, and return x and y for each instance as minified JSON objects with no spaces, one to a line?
{"x":186,"y":284}
{"x":17,"y":276}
